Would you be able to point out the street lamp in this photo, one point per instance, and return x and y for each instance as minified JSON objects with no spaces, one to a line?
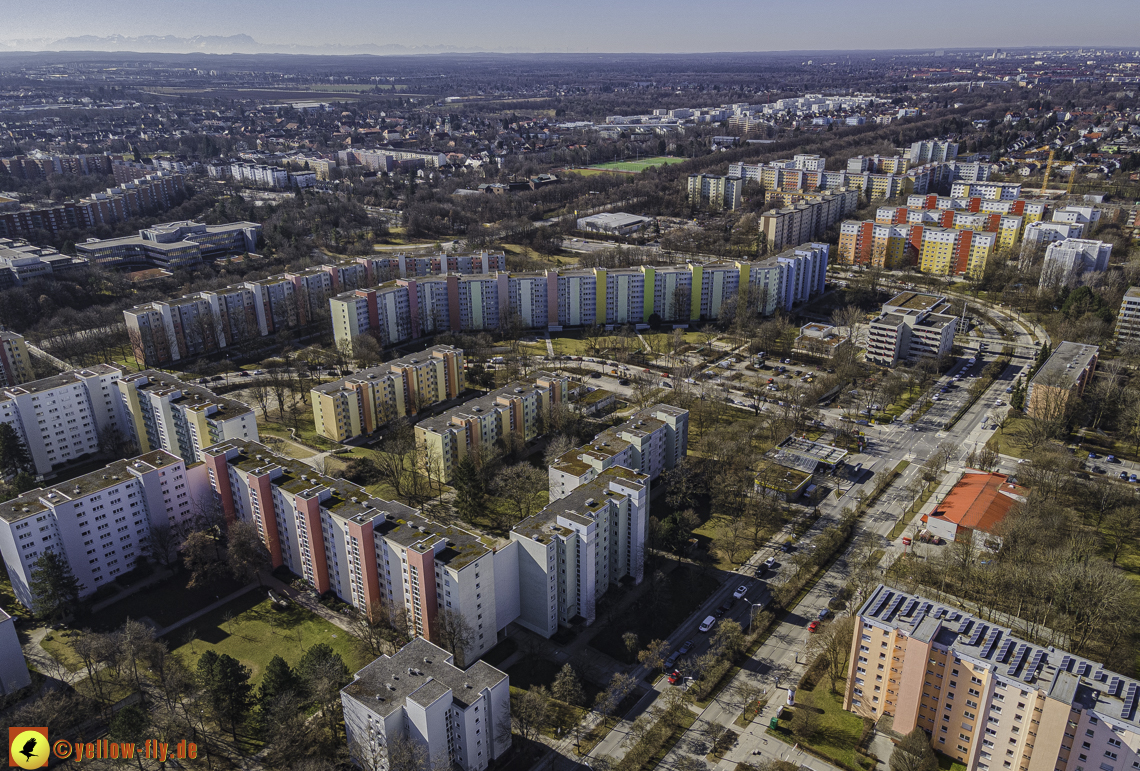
{"x":752,"y":612}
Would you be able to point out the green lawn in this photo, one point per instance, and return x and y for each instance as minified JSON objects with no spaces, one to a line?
{"x":838,"y":733}
{"x":638,"y":165}
{"x":947,"y":763}
{"x":164,"y":603}
{"x":684,"y":589}
{"x":255,"y":632}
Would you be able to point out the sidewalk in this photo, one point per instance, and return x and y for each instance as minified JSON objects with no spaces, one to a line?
{"x":212,"y":606}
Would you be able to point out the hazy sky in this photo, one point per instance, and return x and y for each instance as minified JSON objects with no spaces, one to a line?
{"x":597,"y":25}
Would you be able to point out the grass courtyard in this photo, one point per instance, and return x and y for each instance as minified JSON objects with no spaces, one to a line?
{"x":838,"y":731}
{"x":252,"y":631}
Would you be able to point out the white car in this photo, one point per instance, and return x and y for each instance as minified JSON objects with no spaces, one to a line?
{"x":707,"y":624}
{"x":770,"y":561}
{"x":740,"y":590}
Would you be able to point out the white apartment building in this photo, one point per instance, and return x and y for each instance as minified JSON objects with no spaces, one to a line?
{"x":1039,"y":234}
{"x":14,"y":673}
{"x":1067,"y":261}
{"x":419,"y":694}
{"x":100,"y":522}
{"x":911,"y":326}
{"x":651,"y":442}
{"x":1085,"y":215}
{"x":63,"y":418}
{"x":571,"y":551}
{"x":994,"y":191}
{"x":932,"y":151}
{"x":165,"y":413}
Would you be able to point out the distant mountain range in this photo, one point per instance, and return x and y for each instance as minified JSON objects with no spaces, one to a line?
{"x":213,"y":44}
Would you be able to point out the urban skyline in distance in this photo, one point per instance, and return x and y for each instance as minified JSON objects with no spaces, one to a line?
{"x":509,"y":26}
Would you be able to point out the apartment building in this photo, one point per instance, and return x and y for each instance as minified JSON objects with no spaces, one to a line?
{"x":887,"y":164}
{"x":985,"y":697}
{"x":474,"y":427}
{"x":408,"y":308}
{"x":1061,"y":380}
{"x":1128,"y":319}
{"x":100,"y":522}
{"x":574,"y":549}
{"x":15,"y":361}
{"x":65,"y":418}
{"x":419,"y":694}
{"x":932,"y":151}
{"x":1040,"y":234}
{"x":172,"y":245}
{"x":42,"y":166}
{"x":806,"y":220}
{"x":14,"y":673}
{"x":365,"y":401}
{"x":373,"y":554}
{"x":994,"y":191}
{"x":880,"y":245}
{"x":1029,"y":211}
{"x":650,"y":443}
{"x":946,"y":251}
{"x":1067,"y":261}
{"x":164,"y":413}
{"x":911,"y":326}
{"x":1085,"y":215}
{"x":1007,"y":226}
{"x":385,"y":268}
{"x":712,"y":191}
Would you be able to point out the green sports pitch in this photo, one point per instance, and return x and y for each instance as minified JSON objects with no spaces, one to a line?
{"x":636,"y":166}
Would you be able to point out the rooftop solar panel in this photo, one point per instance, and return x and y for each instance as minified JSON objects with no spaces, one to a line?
{"x":1100,"y":675}
{"x":884,"y":598}
{"x":1114,"y":685}
{"x":1130,"y":702}
{"x":1083,"y":668}
{"x":991,"y":641}
{"x":1019,"y":658}
{"x":979,"y":630}
{"x":898,"y":600}
{"x":1066,"y":662}
{"x":965,"y":625}
{"x":1038,"y":658}
{"x":1006,"y":647}
{"x":909,"y":608}
{"x":940,"y":613}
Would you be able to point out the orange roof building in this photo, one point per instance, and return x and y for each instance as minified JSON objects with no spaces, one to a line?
{"x":974,"y":507}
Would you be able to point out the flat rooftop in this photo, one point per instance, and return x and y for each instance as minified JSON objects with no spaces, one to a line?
{"x":485,"y":403}
{"x":806,"y":455}
{"x":580,"y":506}
{"x":60,"y":380}
{"x":1064,"y":367}
{"x":188,"y":395}
{"x":914,"y":301}
{"x":420,"y":672}
{"x":375,"y":373}
{"x":1064,"y":676}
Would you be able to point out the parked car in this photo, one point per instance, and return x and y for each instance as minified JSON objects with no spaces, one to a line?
{"x":707,"y":624}
{"x":1124,"y":475}
{"x":675,"y":677}
{"x":740,"y":590}
{"x":595,"y":374}
{"x":770,"y":562}
{"x":813,"y":626}
{"x":671,"y":661}
{"x":685,"y":647}
{"x":1111,"y":459}
{"x":824,"y":613}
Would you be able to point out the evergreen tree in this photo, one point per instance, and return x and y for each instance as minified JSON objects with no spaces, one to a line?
{"x":568,"y":688}
{"x":55,"y":590}
{"x":1017,"y":398}
{"x":130,"y":724}
{"x":227,"y":688}
{"x":14,"y":456}
{"x":318,"y":657}
{"x":279,"y":680}
{"x":470,"y":489}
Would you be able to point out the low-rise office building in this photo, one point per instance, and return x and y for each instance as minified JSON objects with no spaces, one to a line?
{"x":165,"y":413}
{"x":1061,"y":381}
{"x":1067,"y":262}
{"x":66,"y":418}
{"x":419,"y":694}
{"x":172,"y":245}
{"x":613,"y":223}
{"x":101,"y":522}
{"x":513,"y":412}
{"x":1000,"y":702}
{"x":911,"y":326}
{"x":368,"y":399}
{"x":974,"y":509}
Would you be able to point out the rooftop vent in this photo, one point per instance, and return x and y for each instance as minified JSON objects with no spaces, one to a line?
{"x":355,"y":499}
{"x":467,"y":685}
{"x":427,"y":661}
{"x":589,"y":501}
{"x":390,"y":686}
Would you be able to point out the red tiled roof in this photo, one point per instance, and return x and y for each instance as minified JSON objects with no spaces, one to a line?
{"x":978,"y":501}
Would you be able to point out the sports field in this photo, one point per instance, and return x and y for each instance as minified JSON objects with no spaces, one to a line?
{"x":636,"y":166}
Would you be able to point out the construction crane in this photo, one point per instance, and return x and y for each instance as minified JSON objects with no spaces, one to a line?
{"x":1048,"y":169}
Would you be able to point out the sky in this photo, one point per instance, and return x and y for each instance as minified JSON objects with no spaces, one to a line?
{"x":650,"y":26}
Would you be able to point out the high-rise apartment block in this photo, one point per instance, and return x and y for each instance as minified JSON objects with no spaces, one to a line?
{"x":100,"y":522}
{"x":1029,"y":211}
{"x":714,"y":192}
{"x":805,"y":220}
{"x":15,"y":361}
{"x":932,"y":151}
{"x":993,"y":191}
{"x":1007,"y":226}
{"x":1128,"y":319}
{"x":408,"y":308}
{"x":1061,"y":381}
{"x":1040,"y":234}
{"x":360,"y":404}
{"x":165,"y":413}
{"x":419,"y":695}
{"x":936,"y":250}
{"x":949,"y":252}
{"x":650,"y":443}
{"x":14,"y":673}
{"x":985,"y":697}
{"x":1066,"y":262}
{"x":911,"y":326}
{"x":473,"y":428}
{"x":66,"y":418}
{"x":1085,"y":215}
